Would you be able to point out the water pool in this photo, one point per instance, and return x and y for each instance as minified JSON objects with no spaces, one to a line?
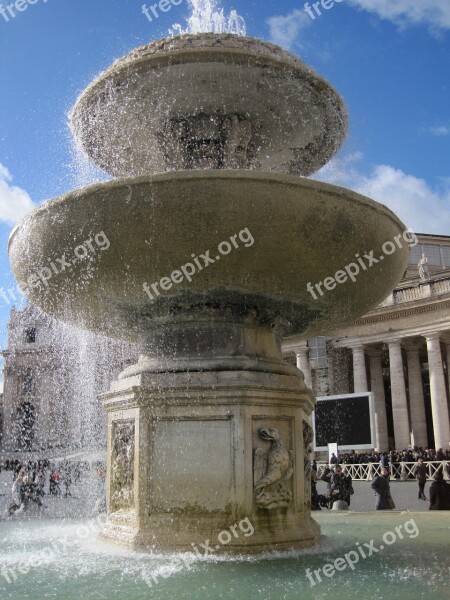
{"x":64,"y":559}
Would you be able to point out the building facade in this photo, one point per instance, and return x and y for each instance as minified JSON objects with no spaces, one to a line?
{"x":400,"y":351}
{"x":52,"y":375}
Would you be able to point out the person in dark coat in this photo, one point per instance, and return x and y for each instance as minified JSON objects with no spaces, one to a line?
{"x":315,"y":504}
{"x":326,"y":476}
{"x":384,"y":460}
{"x":420,"y":473}
{"x":341,"y":486}
{"x":28,"y":493}
{"x":439,"y":493}
{"x":383,"y":491}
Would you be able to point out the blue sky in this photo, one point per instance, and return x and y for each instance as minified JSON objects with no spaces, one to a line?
{"x":389,"y":59}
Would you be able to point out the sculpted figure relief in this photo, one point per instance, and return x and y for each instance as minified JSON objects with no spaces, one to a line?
{"x":238,"y":138}
{"x":206,"y":142}
{"x":122,"y":466}
{"x":272,"y":470}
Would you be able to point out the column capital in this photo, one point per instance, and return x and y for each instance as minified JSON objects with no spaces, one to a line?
{"x":294,"y":347}
{"x":432,"y":337}
{"x":301,"y":348}
{"x":374,"y":351}
{"x":355,"y":345}
{"x":412,"y":344}
{"x":394,"y":343}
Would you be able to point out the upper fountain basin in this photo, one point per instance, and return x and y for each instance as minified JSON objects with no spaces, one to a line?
{"x":142,"y":230}
{"x":209,"y":101}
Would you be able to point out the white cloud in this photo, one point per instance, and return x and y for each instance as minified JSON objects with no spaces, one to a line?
{"x":440,"y":131}
{"x":284,"y":30}
{"x":419,"y":205}
{"x":14,"y":201}
{"x":434,"y":13}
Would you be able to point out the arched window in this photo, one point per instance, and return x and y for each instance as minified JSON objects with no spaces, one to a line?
{"x":25,"y":424}
{"x":30,"y":335}
{"x":27,"y":382}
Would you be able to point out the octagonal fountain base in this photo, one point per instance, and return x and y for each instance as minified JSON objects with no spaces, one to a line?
{"x":193,"y":453}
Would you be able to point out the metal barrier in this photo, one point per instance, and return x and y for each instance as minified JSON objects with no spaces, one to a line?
{"x":401,"y":471}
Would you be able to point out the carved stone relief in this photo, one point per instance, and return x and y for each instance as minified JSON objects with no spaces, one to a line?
{"x":122,"y":465}
{"x":273,"y":468}
{"x":207,"y":142}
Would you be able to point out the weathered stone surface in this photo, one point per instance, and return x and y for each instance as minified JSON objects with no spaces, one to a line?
{"x":196,"y":439}
{"x":133,"y":118}
{"x":301,"y":231}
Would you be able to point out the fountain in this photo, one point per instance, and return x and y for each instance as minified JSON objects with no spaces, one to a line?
{"x":214,"y":234}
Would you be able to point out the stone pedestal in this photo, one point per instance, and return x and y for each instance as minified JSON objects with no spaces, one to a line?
{"x":192,"y":453}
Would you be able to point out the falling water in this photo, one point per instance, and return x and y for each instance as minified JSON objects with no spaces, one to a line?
{"x":95,"y":361}
{"x":208,"y":16}
{"x":83,"y":170}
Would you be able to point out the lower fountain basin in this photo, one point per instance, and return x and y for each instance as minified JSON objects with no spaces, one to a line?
{"x":254,"y":241}
{"x":64,"y":559}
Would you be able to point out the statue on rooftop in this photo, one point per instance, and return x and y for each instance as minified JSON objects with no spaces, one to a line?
{"x":423,"y":268}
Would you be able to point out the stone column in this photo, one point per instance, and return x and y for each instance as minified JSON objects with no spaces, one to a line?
{"x":379,"y":398}
{"x":359,"y":370}
{"x":399,"y":401}
{"x":303,"y":363}
{"x":446,"y":340}
{"x":438,"y":392}
{"x":416,"y":398}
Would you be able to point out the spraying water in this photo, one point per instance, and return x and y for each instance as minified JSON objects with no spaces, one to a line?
{"x":83,"y":170}
{"x":207,"y":16}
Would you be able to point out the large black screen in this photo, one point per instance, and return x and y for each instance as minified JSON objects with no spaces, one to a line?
{"x":343,"y":420}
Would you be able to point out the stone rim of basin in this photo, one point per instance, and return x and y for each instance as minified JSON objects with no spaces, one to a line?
{"x":161,"y":209}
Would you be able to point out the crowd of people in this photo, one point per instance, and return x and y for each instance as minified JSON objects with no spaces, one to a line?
{"x":30,"y":482}
{"x":340,"y":486}
{"x":395,"y":457}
